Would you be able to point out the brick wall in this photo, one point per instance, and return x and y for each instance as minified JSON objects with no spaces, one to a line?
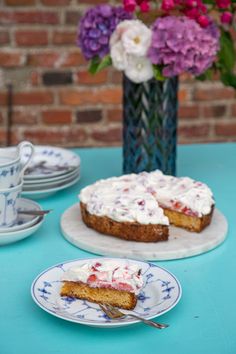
{"x":56,"y":101}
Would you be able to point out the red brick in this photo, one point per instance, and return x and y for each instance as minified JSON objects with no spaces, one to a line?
{"x":25,"y":117}
{"x":88,"y":116}
{"x":3,"y":98}
{"x":3,"y":137}
{"x":215,"y":111}
{"x":84,"y":77}
{"x":35,"y":78}
{"x":233,"y":110}
{"x":72,"y":136}
{"x":103,"y":96}
{"x":57,"y":117}
{"x":33,"y":98}
{"x":225,"y":129}
{"x":116,"y":77}
{"x":20,"y":2}
{"x":4,"y":37}
{"x":12,"y":59}
{"x":182,"y":95}
{"x":55,"y":2}
{"x":43,"y":59}
{"x":44,"y":136}
{"x":75,"y":136}
{"x":212,"y":94}
{"x":112,"y":135}
{"x":194,"y":130}
{"x":72,"y":17}
{"x":30,"y":38}
{"x":1,"y":118}
{"x":29,"y":17}
{"x":73,"y":59}
{"x":189,"y":112}
{"x":94,"y":2}
{"x":114,"y":115}
{"x":55,"y":59}
{"x":64,"y":37}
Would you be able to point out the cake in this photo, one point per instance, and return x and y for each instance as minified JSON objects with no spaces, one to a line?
{"x":105,"y":282}
{"x":140,"y":207}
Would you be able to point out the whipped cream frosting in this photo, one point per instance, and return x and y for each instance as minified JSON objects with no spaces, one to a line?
{"x":106,"y":274}
{"x":140,"y":197}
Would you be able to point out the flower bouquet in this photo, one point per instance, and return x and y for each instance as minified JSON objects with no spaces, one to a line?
{"x":161,"y":39}
{"x":153,"y":43}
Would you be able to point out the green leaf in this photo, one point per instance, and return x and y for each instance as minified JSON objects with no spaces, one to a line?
{"x":157,"y":70}
{"x":93,"y":65}
{"x":227,"y":53}
{"x":106,"y":61}
{"x":209,"y":2}
{"x":96,"y":64}
{"x":228,"y":79}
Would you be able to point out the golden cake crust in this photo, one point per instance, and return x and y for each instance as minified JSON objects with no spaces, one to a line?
{"x":131,"y":231}
{"x":117,"y":298}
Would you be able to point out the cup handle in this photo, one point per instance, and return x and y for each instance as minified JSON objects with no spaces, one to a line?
{"x":25,"y":145}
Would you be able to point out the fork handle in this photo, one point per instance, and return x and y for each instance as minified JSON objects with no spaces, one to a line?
{"x":149,"y":322}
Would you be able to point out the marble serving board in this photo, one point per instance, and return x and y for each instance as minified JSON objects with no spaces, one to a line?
{"x":181,"y":243}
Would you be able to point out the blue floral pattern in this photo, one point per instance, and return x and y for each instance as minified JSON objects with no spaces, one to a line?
{"x":160,"y":293}
{"x":52,"y":156}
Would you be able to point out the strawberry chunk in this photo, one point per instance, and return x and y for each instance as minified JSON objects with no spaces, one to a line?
{"x":92,"y":278}
{"x":124,"y":287}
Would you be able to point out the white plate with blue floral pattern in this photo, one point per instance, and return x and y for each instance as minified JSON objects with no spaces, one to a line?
{"x":160,"y":293}
{"x":50,"y":161}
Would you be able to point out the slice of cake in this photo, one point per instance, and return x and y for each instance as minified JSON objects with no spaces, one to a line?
{"x":104,"y":282}
{"x":140,"y":207}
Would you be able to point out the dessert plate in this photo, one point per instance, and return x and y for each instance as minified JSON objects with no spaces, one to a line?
{"x":43,"y":181}
{"x":14,"y":236}
{"x":181,"y":243}
{"x":23,"y":221}
{"x":160,"y":293}
{"x":49,"y":161}
{"x":48,"y":185}
{"x":46,"y":192}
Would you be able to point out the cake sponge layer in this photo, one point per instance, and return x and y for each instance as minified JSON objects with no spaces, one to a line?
{"x":117,"y":298}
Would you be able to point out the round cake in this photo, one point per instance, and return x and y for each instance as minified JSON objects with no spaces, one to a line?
{"x":140,"y":207}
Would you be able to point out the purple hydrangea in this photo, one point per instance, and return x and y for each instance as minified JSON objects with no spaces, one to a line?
{"x":96,"y":27}
{"x":181,"y":45}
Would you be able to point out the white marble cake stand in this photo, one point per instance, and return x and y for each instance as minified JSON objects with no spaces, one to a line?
{"x":181,"y":243}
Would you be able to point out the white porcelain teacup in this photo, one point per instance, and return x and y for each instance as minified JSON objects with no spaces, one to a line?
{"x":8,"y":205}
{"x":11,"y":166}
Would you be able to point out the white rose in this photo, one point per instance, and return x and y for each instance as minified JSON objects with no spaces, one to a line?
{"x":120,"y":29}
{"x":118,"y":56}
{"x":136,"y":39}
{"x":139,"y":69}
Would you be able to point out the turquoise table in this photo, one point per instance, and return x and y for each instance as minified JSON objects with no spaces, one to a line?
{"x":204,"y":321}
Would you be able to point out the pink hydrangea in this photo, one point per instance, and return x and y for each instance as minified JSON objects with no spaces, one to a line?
{"x":179,"y":44}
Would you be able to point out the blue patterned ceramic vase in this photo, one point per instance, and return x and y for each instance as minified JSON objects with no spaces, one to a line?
{"x":150,"y":125}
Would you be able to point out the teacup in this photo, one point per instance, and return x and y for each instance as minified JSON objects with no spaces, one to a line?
{"x":8,"y":205}
{"x":11,"y":166}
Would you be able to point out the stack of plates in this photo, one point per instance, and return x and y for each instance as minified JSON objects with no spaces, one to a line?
{"x":52,"y":169}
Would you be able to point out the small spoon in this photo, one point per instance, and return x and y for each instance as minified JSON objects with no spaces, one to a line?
{"x":34,"y":212}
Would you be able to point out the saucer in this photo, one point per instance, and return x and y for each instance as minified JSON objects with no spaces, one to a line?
{"x":23,"y":221}
{"x":14,"y":236}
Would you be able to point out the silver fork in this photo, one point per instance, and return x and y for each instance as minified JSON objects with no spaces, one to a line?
{"x":114,"y":313}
